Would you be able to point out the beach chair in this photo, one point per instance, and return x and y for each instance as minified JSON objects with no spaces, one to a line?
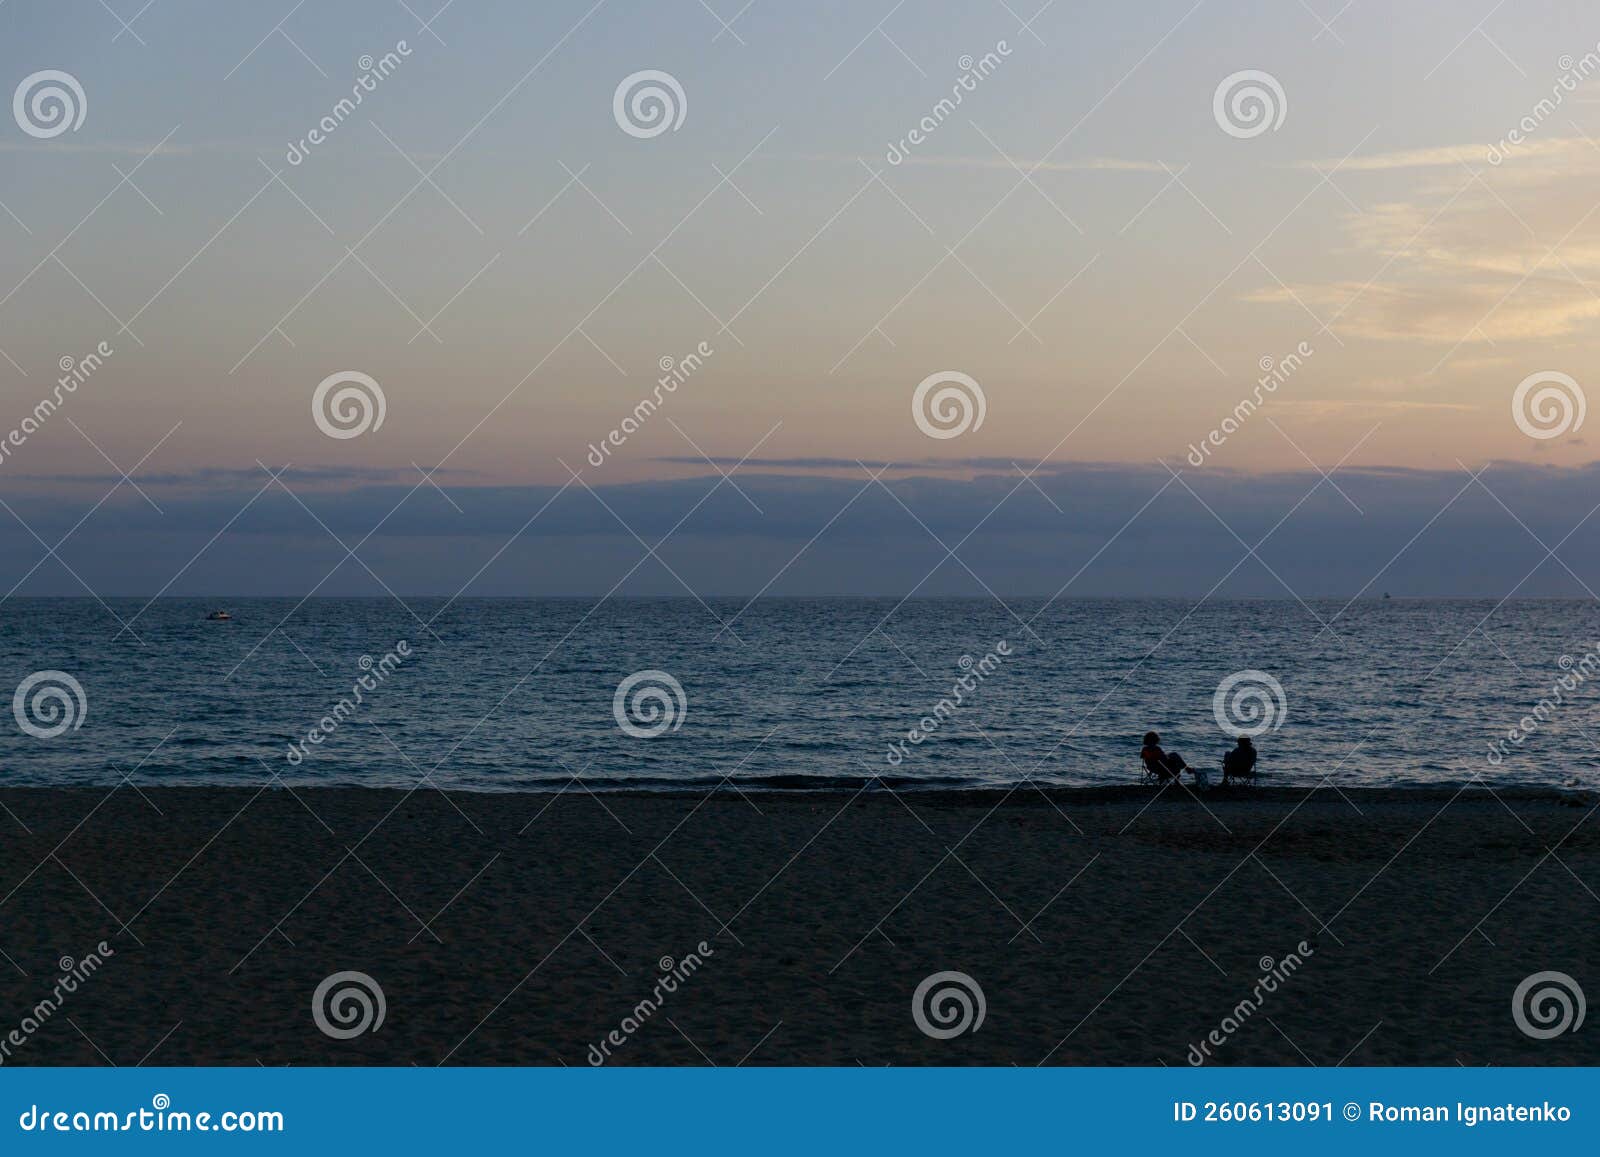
{"x":1246,"y":778}
{"x":1152,"y":773}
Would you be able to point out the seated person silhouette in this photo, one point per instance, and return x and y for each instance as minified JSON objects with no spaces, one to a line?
{"x":1164,"y":765}
{"x":1240,"y":763}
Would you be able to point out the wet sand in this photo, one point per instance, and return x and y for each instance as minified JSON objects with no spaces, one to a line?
{"x":1103,"y":927}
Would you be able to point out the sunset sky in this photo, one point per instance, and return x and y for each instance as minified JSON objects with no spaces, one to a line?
{"x":1081,"y":237}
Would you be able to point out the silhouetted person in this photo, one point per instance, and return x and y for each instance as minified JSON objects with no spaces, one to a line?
{"x":1164,"y":764}
{"x":1240,"y":763}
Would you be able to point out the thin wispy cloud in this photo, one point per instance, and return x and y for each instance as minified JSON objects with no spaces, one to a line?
{"x":1468,"y":254}
{"x":998,"y":161}
{"x":1474,"y":154}
{"x":101,"y":148}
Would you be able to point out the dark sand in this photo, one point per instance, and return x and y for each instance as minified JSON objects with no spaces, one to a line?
{"x":823,"y":913}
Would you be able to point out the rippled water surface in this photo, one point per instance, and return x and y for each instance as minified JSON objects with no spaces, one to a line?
{"x":500,"y":694}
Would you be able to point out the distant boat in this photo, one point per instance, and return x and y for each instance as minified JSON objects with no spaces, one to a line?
{"x":1386,"y":594}
{"x":219,"y":617}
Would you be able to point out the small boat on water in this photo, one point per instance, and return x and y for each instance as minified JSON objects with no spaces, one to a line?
{"x":219,"y":617}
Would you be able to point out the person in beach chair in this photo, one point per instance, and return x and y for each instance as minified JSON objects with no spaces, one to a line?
{"x":1160,"y":766}
{"x":1240,"y":763}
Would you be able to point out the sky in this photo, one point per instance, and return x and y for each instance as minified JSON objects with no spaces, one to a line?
{"x":1095,"y":249}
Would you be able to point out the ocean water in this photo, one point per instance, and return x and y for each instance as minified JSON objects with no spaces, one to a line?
{"x":500,"y":694}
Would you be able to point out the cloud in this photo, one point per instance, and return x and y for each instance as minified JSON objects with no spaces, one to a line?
{"x":1011,"y":164}
{"x":251,"y":477}
{"x":1329,"y":407}
{"x":1091,"y":530}
{"x":999,"y":161}
{"x":99,"y":148}
{"x":1473,"y":257}
{"x":1444,"y":155}
{"x":856,"y":466}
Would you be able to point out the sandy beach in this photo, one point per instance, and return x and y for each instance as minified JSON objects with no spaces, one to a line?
{"x":1103,"y":927}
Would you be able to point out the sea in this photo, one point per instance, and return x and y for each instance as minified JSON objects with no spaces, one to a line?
{"x":793,"y":694}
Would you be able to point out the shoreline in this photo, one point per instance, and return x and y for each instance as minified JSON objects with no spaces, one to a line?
{"x":850,"y":787}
